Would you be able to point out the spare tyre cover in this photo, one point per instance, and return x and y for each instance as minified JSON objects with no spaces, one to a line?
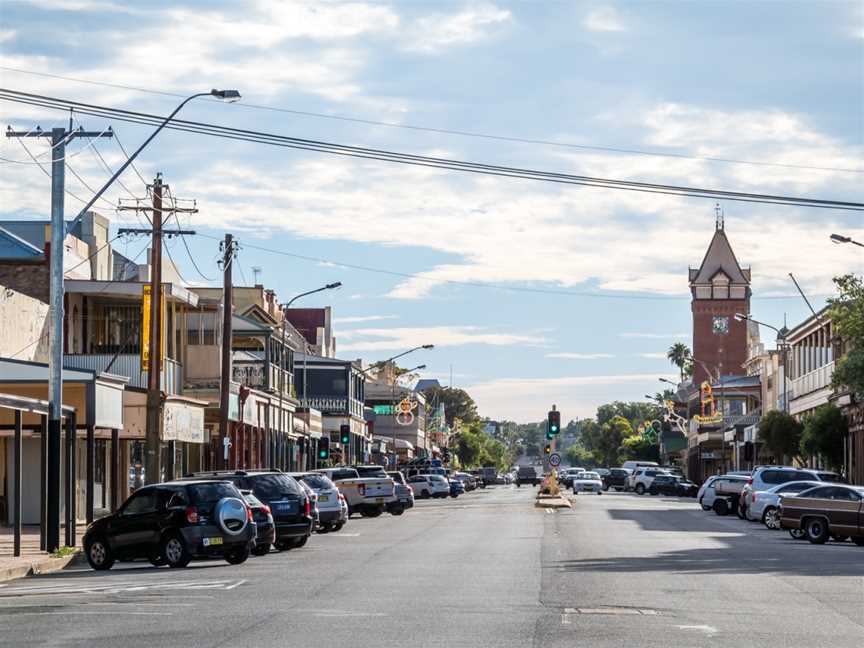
{"x":231,"y":515}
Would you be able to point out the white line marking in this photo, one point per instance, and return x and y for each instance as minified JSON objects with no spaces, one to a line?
{"x":240,"y":582}
{"x":93,"y":613}
{"x":706,"y":629}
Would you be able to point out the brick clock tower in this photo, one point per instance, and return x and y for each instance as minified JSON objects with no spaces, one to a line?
{"x":720,"y":287}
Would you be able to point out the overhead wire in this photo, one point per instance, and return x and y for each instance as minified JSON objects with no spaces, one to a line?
{"x":48,"y":173}
{"x":446,"y":131}
{"x":183,"y":238}
{"x":426,"y":161}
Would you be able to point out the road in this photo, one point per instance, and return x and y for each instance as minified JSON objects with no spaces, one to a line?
{"x":487,"y":569}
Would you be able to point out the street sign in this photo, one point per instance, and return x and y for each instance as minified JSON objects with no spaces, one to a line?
{"x":555,"y":460}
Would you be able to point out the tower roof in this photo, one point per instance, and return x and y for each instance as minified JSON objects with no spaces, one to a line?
{"x":720,"y":258}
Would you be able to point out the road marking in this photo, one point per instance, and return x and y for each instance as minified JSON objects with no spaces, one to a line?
{"x":565,"y":619}
{"x":72,"y":612}
{"x":341,"y":535}
{"x":705,"y":629}
{"x":117,"y":588}
{"x":240,"y":582}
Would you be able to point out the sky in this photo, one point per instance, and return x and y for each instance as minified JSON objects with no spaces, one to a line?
{"x":532,"y":293}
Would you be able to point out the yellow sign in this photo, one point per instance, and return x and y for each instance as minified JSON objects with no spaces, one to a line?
{"x":145,"y":329}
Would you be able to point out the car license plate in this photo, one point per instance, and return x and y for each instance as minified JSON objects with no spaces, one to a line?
{"x":283,"y":507}
{"x":323,"y":498}
{"x":210,"y":542}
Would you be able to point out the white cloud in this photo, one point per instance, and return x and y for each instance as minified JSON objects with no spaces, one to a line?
{"x":565,"y":355}
{"x":378,"y":339}
{"x":604,"y":19}
{"x":362,"y":318}
{"x":436,"y":32}
{"x":654,"y":336}
{"x":7,"y":35}
{"x":653,"y":356}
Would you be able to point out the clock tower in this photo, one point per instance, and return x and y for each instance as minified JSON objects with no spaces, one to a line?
{"x":720,"y":287}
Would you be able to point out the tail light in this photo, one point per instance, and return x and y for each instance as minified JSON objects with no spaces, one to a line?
{"x":361,"y":488}
{"x":267,"y":510}
{"x":249,"y":513}
{"x":341,"y":497}
{"x":753,"y":497}
{"x":191,"y":515}
{"x":749,"y":481}
{"x":308,"y":507}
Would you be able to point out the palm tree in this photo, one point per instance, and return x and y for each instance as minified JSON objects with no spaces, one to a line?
{"x":680,"y":356}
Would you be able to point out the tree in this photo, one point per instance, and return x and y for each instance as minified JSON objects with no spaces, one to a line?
{"x":611,"y":439}
{"x":781,"y":434}
{"x":457,"y":403}
{"x":847,"y":315}
{"x":680,"y":356}
{"x":640,"y":448}
{"x":635,"y":412}
{"x":824,"y":431}
{"x":578,"y":455}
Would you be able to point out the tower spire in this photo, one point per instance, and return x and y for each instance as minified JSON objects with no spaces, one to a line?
{"x":719,"y":222}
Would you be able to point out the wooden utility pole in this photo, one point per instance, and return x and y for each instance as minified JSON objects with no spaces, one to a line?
{"x":229,"y":253}
{"x":153,"y":438}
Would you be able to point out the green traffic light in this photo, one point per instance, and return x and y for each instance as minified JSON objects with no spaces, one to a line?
{"x":554,"y":428}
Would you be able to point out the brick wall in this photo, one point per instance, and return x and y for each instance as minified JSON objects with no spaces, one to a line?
{"x":728,"y":350}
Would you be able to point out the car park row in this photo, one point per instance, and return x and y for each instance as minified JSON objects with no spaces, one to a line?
{"x":232,"y":514}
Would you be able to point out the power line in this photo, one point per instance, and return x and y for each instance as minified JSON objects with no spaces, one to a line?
{"x":460,"y":133}
{"x":132,"y":164}
{"x":48,"y":173}
{"x":425,"y":161}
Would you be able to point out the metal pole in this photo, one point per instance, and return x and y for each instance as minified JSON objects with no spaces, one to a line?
{"x":91,"y":470}
{"x":16,"y":478}
{"x":115,"y":469}
{"x":55,"y":369}
{"x":153,"y":458}
{"x":225,"y":374}
{"x":68,"y":491}
{"x":43,"y":478}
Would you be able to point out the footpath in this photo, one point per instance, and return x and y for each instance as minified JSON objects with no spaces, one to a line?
{"x":32,"y":561}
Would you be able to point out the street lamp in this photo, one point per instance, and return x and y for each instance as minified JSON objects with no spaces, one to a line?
{"x":782,"y":346}
{"x":839,"y":238}
{"x":398,"y":355}
{"x":330,"y":286}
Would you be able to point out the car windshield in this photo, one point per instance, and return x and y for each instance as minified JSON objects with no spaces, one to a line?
{"x":344,"y":473}
{"x":213,"y":492}
{"x":251,"y":500}
{"x":371,"y":471}
{"x":589,"y":475}
{"x":274,"y":486}
{"x":831,"y":477}
{"x":318,"y":482}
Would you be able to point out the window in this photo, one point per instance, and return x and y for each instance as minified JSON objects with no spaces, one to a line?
{"x":269,"y":487}
{"x":834,"y":478}
{"x":783,"y":476}
{"x":822,"y":492}
{"x":344,"y":474}
{"x":142,"y":502}
{"x":845,"y":494}
{"x":175,"y":498}
{"x":211,"y":493}
{"x":318,"y":482}
{"x":793,"y":488}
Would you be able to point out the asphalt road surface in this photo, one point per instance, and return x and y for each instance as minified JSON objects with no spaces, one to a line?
{"x":486,"y":569}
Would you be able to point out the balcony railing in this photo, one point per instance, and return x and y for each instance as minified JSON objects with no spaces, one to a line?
{"x":254,"y":374}
{"x":339,"y":405}
{"x":128,"y":365}
{"x":812,"y":381}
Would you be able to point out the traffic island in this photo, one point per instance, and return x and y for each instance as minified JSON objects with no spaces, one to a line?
{"x":552,"y":501}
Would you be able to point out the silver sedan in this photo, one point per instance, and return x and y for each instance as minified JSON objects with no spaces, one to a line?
{"x":763,"y":505}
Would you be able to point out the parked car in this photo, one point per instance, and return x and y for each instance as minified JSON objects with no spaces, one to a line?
{"x":425,"y":486}
{"x":403,"y":492}
{"x":763,"y":505}
{"x":633,"y":465}
{"x":291,"y":507}
{"x":263,"y":519}
{"x":172,"y":523}
{"x":764,"y":477}
{"x":456,"y":487}
{"x":587,"y":482}
{"x":368,"y":496}
{"x":602,"y":472}
{"x":393,"y":504}
{"x":526,"y":475}
{"x":672,"y":485}
{"x":617,"y":479}
{"x":707,"y":494}
{"x":835,"y":511}
{"x":327,"y":500}
{"x":469,"y":481}
{"x":642,"y":478}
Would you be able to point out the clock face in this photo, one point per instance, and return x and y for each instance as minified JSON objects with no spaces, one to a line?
{"x":720,"y":325}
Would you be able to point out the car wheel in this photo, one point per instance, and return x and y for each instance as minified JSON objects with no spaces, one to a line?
{"x":398,"y":510}
{"x":99,"y":554}
{"x":652,"y":491}
{"x":704,"y":508}
{"x":261,"y":550}
{"x":640,"y":489}
{"x":797,"y":534}
{"x":424,"y":494}
{"x":816,"y":530}
{"x":237,"y":555}
{"x":605,"y":487}
{"x":839,"y":538}
{"x":338,"y":526}
{"x":771,"y":518}
{"x":858,"y":541}
{"x":300,"y":542}
{"x":721,"y":507}
{"x":371,"y":513}
{"x":175,"y":552}
{"x":283,"y":546}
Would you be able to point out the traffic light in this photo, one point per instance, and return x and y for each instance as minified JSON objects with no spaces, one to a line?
{"x":345,"y":434}
{"x":553,"y":423}
{"x":547,"y":449}
{"x":324,"y":448}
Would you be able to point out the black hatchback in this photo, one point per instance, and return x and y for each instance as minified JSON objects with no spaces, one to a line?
{"x":289,"y":504}
{"x":172,"y":523}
